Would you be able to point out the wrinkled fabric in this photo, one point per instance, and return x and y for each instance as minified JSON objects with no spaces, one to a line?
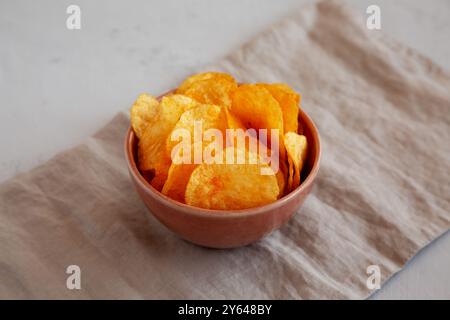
{"x":382,"y":193}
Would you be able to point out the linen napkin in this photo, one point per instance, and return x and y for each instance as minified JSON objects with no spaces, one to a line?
{"x":382,"y":192}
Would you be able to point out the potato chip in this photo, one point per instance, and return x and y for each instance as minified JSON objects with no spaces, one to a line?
{"x":173,"y":106}
{"x":296,"y":147}
{"x":233,"y":122}
{"x":152,"y":155}
{"x":207,"y":116}
{"x":231,"y":186}
{"x":177,"y":180}
{"x":179,"y":173}
{"x":281,"y":183}
{"x":256,"y":108}
{"x":290,"y":176}
{"x":187,"y":84}
{"x":143,"y":112}
{"x":289,"y":102}
{"x":210,"y":117}
{"x":152,"y":145}
{"x":209,"y":88}
{"x":283,"y":177}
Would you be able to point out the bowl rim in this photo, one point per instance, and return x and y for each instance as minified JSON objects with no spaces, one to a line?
{"x":202,"y":212}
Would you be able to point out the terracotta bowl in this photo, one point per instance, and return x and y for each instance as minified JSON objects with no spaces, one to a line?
{"x":226,"y":229}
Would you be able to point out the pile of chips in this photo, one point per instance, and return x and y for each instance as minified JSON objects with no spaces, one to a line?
{"x":218,"y":102}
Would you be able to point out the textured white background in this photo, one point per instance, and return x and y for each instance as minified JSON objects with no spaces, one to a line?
{"x":57,"y":86}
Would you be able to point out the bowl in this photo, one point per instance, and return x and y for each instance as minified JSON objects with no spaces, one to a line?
{"x":219,"y":228}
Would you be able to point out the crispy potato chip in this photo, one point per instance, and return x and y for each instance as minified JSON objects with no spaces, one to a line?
{"x":173,"y":106}
{"x":296,"y":147}
{"x":207,"y":116}
{"x":210,"y":117}
{"x":256,"y":108}
{"x":152,"y":145}
{"x":179,"y":174}
{"x":233,"y":122}
{"x":152,"y":153}
{"x":289,"y":102}
{"x":290,"y":176}
{"x":283,"y":178}
{"x":188,"y":82}
{"x":281,"y":182}
{"x":231,"y":186}
{"x":143,"y":112}
{"x":236,"y":124}
{"x":209,"y":88}
{"x":177,"y":180}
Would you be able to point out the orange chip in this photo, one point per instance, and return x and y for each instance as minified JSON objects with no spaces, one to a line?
{"x":232,"y":186}
{"x":152,"y":145}
{"x":187,"y":83}
{"x":179,"y":172}
{"x":177,"y":180}
{"x":173,"y":106}
{"x":143,"y":112}
{"x":284,"y":172}
{"x":256,"y":108}
{"x":290,"y":176}
{"x":203,"y":117}
{"x":289,"y":102}
{"x":233,"y":122}
{"x":296,"y":147}
{"x":281,"y":182}
{"x":210,"y":88}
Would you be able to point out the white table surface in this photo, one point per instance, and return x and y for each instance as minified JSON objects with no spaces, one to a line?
{"x":57,"y":86}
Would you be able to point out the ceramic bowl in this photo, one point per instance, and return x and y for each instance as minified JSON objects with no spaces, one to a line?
{"x":226,"y":229}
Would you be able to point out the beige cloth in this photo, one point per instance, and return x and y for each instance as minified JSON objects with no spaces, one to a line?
{"x":382,"y":192}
